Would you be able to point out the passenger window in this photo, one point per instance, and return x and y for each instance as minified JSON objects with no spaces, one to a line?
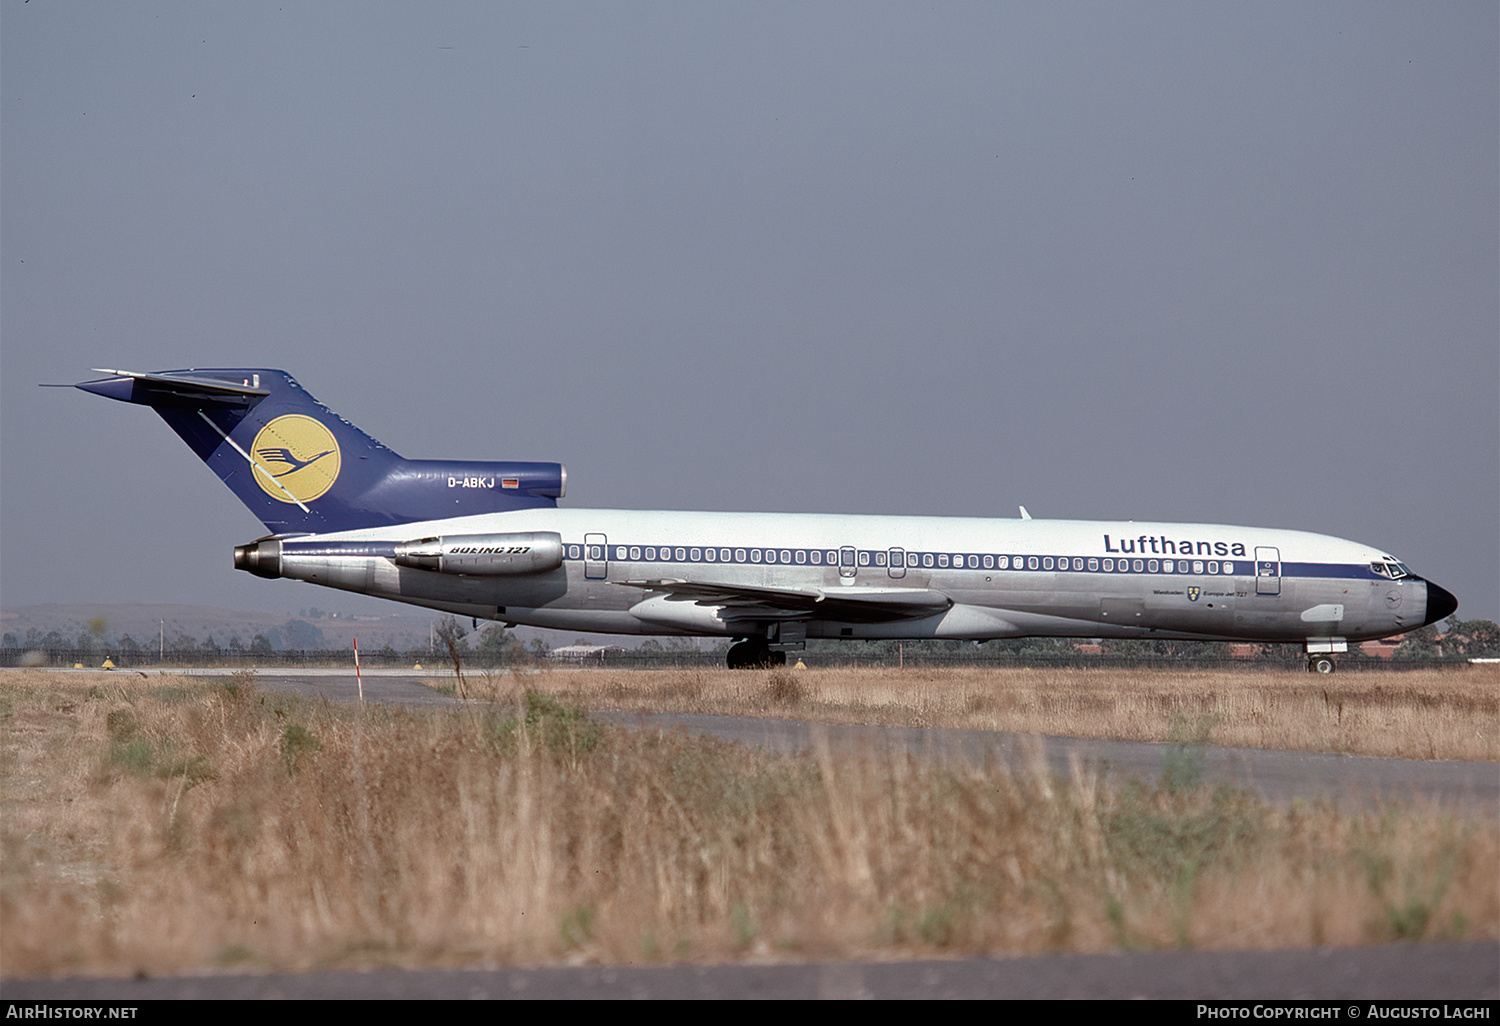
{"x":1093,"y":563}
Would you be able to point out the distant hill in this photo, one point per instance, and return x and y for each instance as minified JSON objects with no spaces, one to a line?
{"x":145,"y":622}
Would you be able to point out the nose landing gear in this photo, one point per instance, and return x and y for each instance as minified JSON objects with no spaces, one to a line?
{"x":1320,"y":653}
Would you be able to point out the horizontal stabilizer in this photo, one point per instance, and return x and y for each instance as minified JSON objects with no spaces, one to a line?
{"x":179,"y":389}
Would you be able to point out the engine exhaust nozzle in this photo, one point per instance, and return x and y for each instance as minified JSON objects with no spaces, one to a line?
{"x":261,"y":558}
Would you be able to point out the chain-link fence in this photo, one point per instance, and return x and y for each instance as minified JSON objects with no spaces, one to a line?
{"x":1276,"y":657}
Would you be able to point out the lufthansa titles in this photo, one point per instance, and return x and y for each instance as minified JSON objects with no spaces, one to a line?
{"x":1162,"y":546}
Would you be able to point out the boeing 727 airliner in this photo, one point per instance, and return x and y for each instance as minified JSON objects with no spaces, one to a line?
{"x":488,"y":540}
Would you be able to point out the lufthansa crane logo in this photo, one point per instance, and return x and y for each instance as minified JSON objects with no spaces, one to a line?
{"x":295,"y":458}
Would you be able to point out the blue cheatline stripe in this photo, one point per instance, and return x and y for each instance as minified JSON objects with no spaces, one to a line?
{"x":878,"y":559}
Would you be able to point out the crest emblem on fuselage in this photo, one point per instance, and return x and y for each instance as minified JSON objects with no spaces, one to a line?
{"x":1193,"y":592}
{"x":296,"y":458}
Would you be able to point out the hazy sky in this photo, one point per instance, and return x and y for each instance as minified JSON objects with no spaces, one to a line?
{"x":1233,"y":263}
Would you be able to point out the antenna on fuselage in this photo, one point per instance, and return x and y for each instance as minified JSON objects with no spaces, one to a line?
{"x":1025,"y":515}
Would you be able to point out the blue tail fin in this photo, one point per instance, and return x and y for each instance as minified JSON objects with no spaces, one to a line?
{"x":303,"y":469}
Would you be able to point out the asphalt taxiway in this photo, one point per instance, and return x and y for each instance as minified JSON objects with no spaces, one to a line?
{"x":1276,"y":775}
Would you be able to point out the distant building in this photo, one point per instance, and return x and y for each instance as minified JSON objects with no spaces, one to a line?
{"x":1381,"y":648}
{"x":582,"y":653}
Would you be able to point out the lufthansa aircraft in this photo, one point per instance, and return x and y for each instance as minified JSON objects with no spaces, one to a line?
{"x":488,"y":540}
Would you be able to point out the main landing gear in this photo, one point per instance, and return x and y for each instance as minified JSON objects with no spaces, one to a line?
{"x":1320,"y":653}
{"x":753,"y":654}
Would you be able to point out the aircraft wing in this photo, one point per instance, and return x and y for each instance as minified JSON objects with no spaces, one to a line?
{"x":850,"y":605}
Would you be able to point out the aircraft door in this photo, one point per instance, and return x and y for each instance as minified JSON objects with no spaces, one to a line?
{"x":896,"y":565}
{"x":595,"y":557}
{"x":1267,"y":570}
{"x":847,"y":566}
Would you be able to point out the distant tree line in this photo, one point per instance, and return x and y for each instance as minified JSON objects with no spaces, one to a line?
{"x":300,"y":643}
{"x":1463,"y":639}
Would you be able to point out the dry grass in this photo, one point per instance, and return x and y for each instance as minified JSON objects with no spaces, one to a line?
{"x":1416,"y":714}
{"x":175,"y":825}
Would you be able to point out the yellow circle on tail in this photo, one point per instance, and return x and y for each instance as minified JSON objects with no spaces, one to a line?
{"x":295,"y":458}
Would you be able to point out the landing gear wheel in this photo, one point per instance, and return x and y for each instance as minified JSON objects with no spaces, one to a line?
{"x":1321,"y":664}
{"x":753,"y":654}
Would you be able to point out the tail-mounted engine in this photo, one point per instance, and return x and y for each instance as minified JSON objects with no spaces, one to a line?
{"x":470,"y":555}
{"x":484,"y":555}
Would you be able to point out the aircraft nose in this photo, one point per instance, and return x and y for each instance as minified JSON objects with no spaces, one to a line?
{"x":1440,"y":603}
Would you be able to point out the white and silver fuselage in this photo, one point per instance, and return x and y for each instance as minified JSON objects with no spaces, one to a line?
{"x":790,"y":575}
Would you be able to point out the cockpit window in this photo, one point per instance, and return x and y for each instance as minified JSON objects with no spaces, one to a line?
{"x":1391,"y":568}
